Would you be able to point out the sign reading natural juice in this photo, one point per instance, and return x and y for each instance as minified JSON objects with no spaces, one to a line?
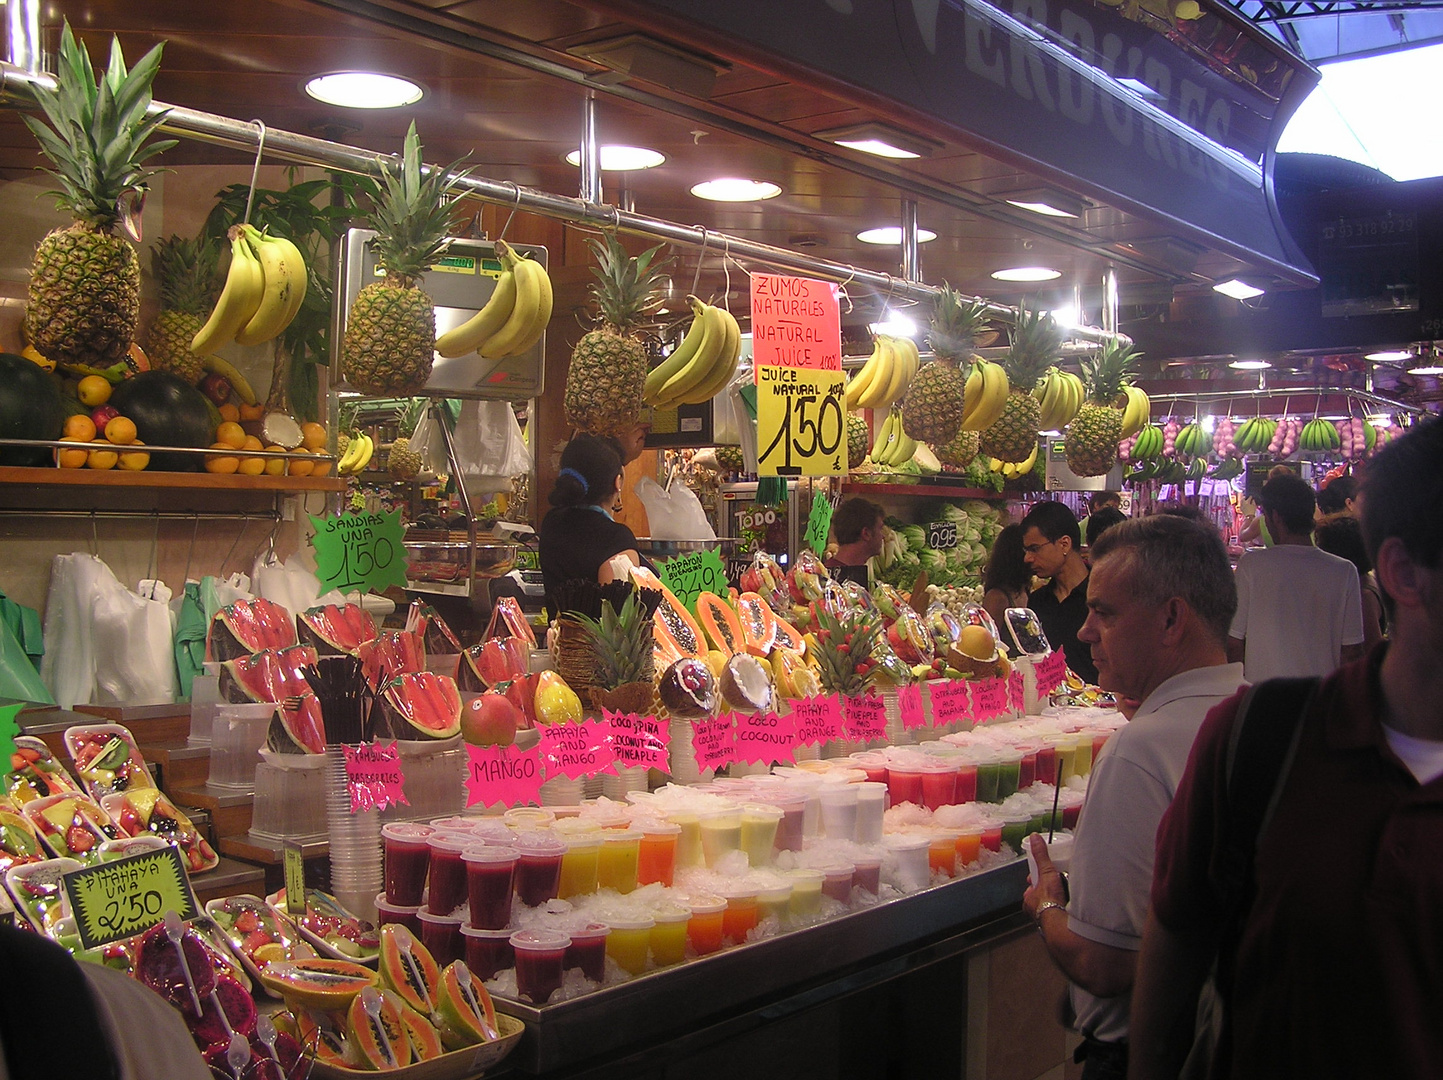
{"x":796,"y":323}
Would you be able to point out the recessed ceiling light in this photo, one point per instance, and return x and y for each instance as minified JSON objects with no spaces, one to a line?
{"x":1027,"y":273}
{"x":880,"y":140}
{"x":878,"y":147}
{"x":1388,"y":354}
{"x":622,"y":158}
{"x":1047,"y":202}
{"x":364,"y":90}
{"x":736,"y":189}
{"x":1238,"y":290}
{"x":1250,"y":365}
{"x":892,"y":234}
{"x":1067,"y":317}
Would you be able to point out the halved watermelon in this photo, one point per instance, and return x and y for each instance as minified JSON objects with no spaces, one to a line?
{"x":757,"y":623}
{"x":438,"y":637}
{"x":508,"y":620}
{"x":496,"y":660}
{"x":335,"y":629}
{"x":418,"y":705}
{"x":391,"y":654}
{"x":675,"y":633}
{"x":275,"y":675}
{"x":248,"y":626}
{"x":720,"y":622}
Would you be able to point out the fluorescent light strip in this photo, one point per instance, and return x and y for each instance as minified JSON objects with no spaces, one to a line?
{"x":1027,"y":273}
{"x":1238,"y":290}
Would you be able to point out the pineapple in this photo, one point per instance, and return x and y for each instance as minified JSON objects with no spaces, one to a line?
{"x":1035,"y":341}
{"x":729,"y":459}
{"x":960,"y":451}
{"x":391,"y":331}
{"x":84,"y":295}
{"x":402,"y":462}
{"x":186,"y":273}
{"x":1093,"y":435}
{"x":622,"y":644}
{"x":608,"y":365}
{"x":851,"y":672}
{"x":932,"y":410}
{"x":859,"y":441}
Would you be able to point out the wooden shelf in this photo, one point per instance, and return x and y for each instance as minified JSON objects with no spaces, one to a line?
{"x":120,"y":478}
{"x":936,"y":491}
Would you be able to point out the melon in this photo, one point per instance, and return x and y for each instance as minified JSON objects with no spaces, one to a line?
{"x":417,"y":705}
{"x":167,"y":411}
{"x":317,"y":982}
{"x":497,"y":660}
{"x":30,"y":408}
{"x":464,"y":1012}
{"x":408,"y":969}
{"x":756,"y":619}
{"x":393,"y":653}
{"x":439,"y":638}
{"x":377,"y":1041}
{"x":675,"y":632}
{"x":335,"y":629}
{"x":720,"y":622}
{"x":276,"y":676}
{"x":248,"y":626}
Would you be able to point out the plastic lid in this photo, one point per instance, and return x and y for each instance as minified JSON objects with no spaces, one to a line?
{"x":630,"y":922}
{"x":909,"y":766}
{"x":837,"y":869}
{"x":659,"y":828}
{"x":583,"y":842}
{"x":450,"y":920}
{"x":452,"y":823}
{"x":590,"y":932}
{"x":940,"y":765}
{"x":502,"y":935}
{"x":382,"y":904}
{"x":805,"y":874}
{"x":842,"y":793}
{"x":906,"y":843}
{"x":489,"y":854}
{"x":753,"y":811}
{"x":739,"y":892}
{"x":406,"y":830}
{"x":621,"y":836}
{"x":706,"y":904}
{"x":867,"y":860}
{"x":723,"y":812}
{"x":443,"y":841}
{"x":671,"y":913}
{"x":871,"y":789}
{"x":775,"y":894}
{"x":540,"y":940}
{"x":528,"y":815}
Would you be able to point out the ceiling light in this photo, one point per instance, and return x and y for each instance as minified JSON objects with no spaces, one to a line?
{"x":1047,"y":202}
{"x":1209,"y":424}
{"x":880,"y":140}
{"x":1386,"y":355}
{"x":622,"y":158}
{"x":736,"y":189}
{"x":1067,"y":317}
{"x":1027,"y":273}
{"x":364,"y":90}
{"x":1433,"y":368}
{"x":892,"y":234}
{"x":877,"y":147}
{"x":1380,"y":420}
{"x":894,"y":324}
{"x":1250,"y":365}
{"x":1238,"y":290}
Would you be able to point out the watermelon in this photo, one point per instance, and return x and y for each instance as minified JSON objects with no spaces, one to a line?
{"x":30,"y":408}
{"x":440,"y":640}
{"x":393,"y":653}
{"x":508,"y":620}
{"x":167,"y":411}
{"x":495,"y":660}
{"x":248,"y":626}
{"x":417,"y":705}
{"x":276,"y":675}
{"x":335,"y":629}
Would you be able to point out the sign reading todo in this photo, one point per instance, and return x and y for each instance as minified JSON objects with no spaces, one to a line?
{"x":692,"y":574}
{"x":801,"y":422}
{"x":126,"y":897}
{"x":360,"y":551}
{"x":796,"y":322}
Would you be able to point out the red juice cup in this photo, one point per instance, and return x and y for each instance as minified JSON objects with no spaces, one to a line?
{"x":904,"y":784}
{"x":939,"y":784}
{"x":1027,"y":771}
{"x":656,"y":861}
{"x":441,"y":934}
{"x":1099,"y":740}
{"x":387,"y":912}
{"x":448,"y":872}
{"x":1047,"y":763}
{"x":487,"y":951}
{"x":1070,"y":815}
{"x":704,"y":928}
{"x":587,"y":950}
{"x":837,"y":881}
{"x":538,"y":870}
{"x":872,"y":763}
{"x":490,"y":878}
{"x":992,"y":837}
{"x":540,"y":960}
{"x":867,"y":873}
{"x":966,"y":782}
{"x":408,"y":856}
{"x":792,"y":828}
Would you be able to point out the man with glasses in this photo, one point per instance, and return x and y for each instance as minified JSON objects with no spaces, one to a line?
{"x":1050,"y":539}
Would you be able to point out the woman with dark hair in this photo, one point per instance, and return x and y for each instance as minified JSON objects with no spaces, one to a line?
{"x":578,"y":537}
{"x":1343,"y":536}
{"x":1006,"y":577}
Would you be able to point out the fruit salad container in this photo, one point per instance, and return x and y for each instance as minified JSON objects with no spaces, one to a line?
{"x":71,"y":826}
{"x":38,"y":893}
{"x":117,"y":954}
{"x":35,"y":773}
{"x":147,"y":811}
{"x":258,"y":933}
{"x":127,"y":846}
{"x":106,"y":759}
{"x":18,"y":843}
{"x":334,"y":931}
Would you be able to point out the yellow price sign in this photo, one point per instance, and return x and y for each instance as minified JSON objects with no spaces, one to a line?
{"x":801,"y":422}
{"x":295,"y":873}
{"x":120,"y":899}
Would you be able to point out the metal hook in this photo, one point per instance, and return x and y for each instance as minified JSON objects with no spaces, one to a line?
{"x":726,"y":272}
{"x":195,"y":529}
{"x":246,"y":524}
{"x":701,"y":256}
{"x":256,"y":168}
{"x":94,"y":537}
{"x":154,"y":565}
{"x":517,"y":189}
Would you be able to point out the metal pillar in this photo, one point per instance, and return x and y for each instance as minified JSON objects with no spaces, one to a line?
{"x":911,"y":257}
{"x":22,"y":35}
{"x":590,"y":151}
{"x":1109,"y":301}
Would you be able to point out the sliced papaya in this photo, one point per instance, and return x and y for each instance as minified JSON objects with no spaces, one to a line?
{"x":784,"y":634}
{"x":425,"y":1040}
{"x":464,"y":1012}
{"x":720,"y":622}
{"x":674,"y":628}
{"x":328,"y":985}
{"x":408,"y":969}
{"x":378,"y":1038}
{"x":320,"y":1032}
{"x":757,"y":622}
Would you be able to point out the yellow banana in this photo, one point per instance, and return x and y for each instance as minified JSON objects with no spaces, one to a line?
{"x":278,"y":268}
{"x":876,"y":397}
{"x":682,"y":355}
{"x":900,"y":366}
{"x":512,"y":336}
{"x":725,"y":366}
{"x":238,"y":382}
{"x":471,"y":334}
{"x":861,"y":381}
{"x":301,"y":278}
{"x":879,"y":444}
{"x":1137,"y":413}
{"x":971,"y":395}
{"x":348,"y":460}
{"x":680,"y":386}
{"x":1022,"y":468}
{"x":1050,"y":394}
{"x":238,"y":300}
{"x":992,"y":398}
{"x":543,"y":314}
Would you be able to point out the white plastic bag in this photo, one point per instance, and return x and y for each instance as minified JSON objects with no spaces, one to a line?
{"x":676,"y":514}
{"x":68,"y":666}
{"x":427,"y":441}
{"x":290,"y":584}
{"x":489,"y":446}
{"x":132,"y":635}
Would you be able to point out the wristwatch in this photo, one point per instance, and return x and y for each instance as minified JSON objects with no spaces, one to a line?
{"x":1044,"y":906}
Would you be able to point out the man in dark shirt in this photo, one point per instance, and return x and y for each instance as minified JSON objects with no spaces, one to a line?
{"x":857,"y":526}
{"x":1050,"y":539}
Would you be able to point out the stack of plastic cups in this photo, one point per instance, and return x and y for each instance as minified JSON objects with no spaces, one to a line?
{"x":897,"y":735}
{"x":683,"y":758}
{"x":204,"y":697}
{"x":562,"y":791}
{"x":355,"y":839}
{"x":627,"y":778}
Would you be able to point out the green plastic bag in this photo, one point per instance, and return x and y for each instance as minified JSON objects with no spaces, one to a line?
{"x":18,"y":678}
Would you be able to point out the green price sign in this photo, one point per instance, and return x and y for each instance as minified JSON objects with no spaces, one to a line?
{"x":819,"y":523}
{"x":692,"y":574}
{"x":8,"y":730}
{"x":295,"y":871}
{"x":120,"y":899}
{"x":360,"y":551}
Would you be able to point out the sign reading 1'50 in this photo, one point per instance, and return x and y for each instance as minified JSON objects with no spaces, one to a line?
{"x":811,"y":426}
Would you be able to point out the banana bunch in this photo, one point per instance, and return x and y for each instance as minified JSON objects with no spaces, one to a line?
{"x":893,"y":446}
{"x":1193,"y":441}
{"x":1168,"y":471}
{"x":701,"y":366}
{"x":1197,"y":468}
{"x":1253,"y":437}
{"x":1148,"y":445}
{"x":1137,"y":413}
{"x":1227,"y":468}
{"x":514,"y":317}
{"x":1011,"y":470}
{"x":884,"y":377}
{"x":985,"y":396}
{"x":1319,"y":435}
{"x":357,"y":456}
{"x":1060,"y":393}
{"x":263,"y":291}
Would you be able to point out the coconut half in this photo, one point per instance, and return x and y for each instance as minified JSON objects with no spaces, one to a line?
{"x":688,"y":689}
{"x":746,"y":684}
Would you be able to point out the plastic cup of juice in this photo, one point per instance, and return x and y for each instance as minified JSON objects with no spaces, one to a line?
{"x":487,"y":951}
{"x":992,"y":837}
{"x":628,"y":941}
{"x":668,"y":933}
{"x":656,"y":857}
{"x":617,"y":863}
{"x":806,"y":897}
{"x":909,"y":854}
{"x":871,"y":806}
{"x":837,"y":881}
{"x":1099,"y":740}
{"x":704,"y":928}
{"x":741,"y":914}
{"x":867,"y":873}
{"x":1047,"y":763}
{"x":721,"y":832}
{"x":1027,"y":770}
{"x":873,"y":763}
{"x":942,"y":852}
{"x":1014,"y":828}
{"x":528,"y":817}
{"x":1082,"y":761}
{"x":989,"y":768}
{"x":570,"y":827}
{"x":688,"y":842}
{"x":387,"y":912}
{"x":759,"y":832}
{"x":939,"y":784}
{"x":540,"y":956}
{"x":587,"y":950}
{"x":441,"y":934}
{"x":1070,"y":814}
{"x":966,"y":780}
{"x":839,"y":811}
{"x":408,"y":857}
{"x":1009,"y":773}
{"x":538,"y":870}
{"x":792,"y":828}
{"x":904,"y":784}
{"x":1065,"y":748}
{"x":448,"y":872}
{"x":579,"y":865}
{"x":490,"y":879}
{"x":774,"y":902}
{"x":969,"y":845}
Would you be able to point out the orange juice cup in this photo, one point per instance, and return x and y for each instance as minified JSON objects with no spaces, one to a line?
{"x":741,"y":915}
{"x":656,"y":861}
{"x":704,"y":928}
{"x":969,"y":846}
{"x":942,"y":852}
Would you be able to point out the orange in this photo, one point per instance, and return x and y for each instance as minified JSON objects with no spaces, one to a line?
{"x":313,"y":435}
{"x":72,"y":459}
{"x":252,"y":466}
{"x":322,"y":467}
{"x":218,"y":463}
{"x":120,"y":431}
{"x":252,"y":443}
{"x":93,"y":391}
{"x":297,"y":467}
{"x":79,"y":428}
{"x":252,"y":412}
{"x":134,"y":460}
{"x":232,"y":434}
{"x":102,"y":459}
{"x":229,"y":412}
{"x":275,"y":466}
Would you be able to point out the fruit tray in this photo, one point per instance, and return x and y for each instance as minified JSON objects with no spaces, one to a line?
{"x":457,"y":1065}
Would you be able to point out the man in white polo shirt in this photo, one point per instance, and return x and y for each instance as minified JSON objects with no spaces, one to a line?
{"x":1159,"y":605}
{"x":1299,"y":609}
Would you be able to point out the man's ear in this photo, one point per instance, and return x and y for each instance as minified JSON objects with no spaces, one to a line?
{"x":1064,"y":544}
{"x":1398,"y":573}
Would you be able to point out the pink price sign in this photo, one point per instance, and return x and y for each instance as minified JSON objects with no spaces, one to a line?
{"x":713,"y":742}
{"x":989,"y":698}
{"x":502,"y":774}
{"x":638,"y":741}
{"x":796,"y":323}
{"x":373,"y":777}
{"x":909,"y":705}
{"x":1051,"y":672}
{"x":577,"y":750}
{"x":818,"y":719}
{"x":764,"y":738}
{"x":1016,"y":699}
{"x":950,"y":701}
{"x":866,"y":718}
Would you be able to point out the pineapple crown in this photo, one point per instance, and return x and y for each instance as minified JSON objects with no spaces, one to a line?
{"x":185,"y":270}
{"x":845,"y":648}
{"x":627,"y":287}
{"x":955,"y":324}
{"x":1035,"y":343}
{"x":97,"y":131}
{"x":621,"y":641}
{"x":1107,"y":373}
{"x":409,"y":211}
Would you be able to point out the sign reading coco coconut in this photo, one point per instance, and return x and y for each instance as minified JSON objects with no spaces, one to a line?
{"x":765,"y":738}
{"x":502,"y":774}
{"x":120,"y":899}
{"x":373,"y":777}
{"x":360,"y":551}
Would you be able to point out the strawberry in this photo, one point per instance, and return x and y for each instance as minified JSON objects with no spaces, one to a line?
{"x":79,"y":839}
{"x":247,"y":921}
{"x":254,"y":940}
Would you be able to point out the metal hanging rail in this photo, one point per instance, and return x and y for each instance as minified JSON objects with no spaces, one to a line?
{"x":17,"y":87}
{"x":1364,"y":396}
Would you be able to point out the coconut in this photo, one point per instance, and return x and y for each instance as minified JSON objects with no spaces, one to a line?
{"x":688,"y":689}
{"x":746,"y":684}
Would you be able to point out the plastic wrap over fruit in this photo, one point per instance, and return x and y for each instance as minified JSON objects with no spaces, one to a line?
{"x":889,"y":668}
{"x":944,"y":627}
{"x":832,"y":599}
{"x":908,"y":637}
{"x":860,"y":598}
{"x":807,"y":577}
{"x":508,"y":620}
{"x":973,"y":614}
{"x":886,"y":598}
{"x":765,"y":577}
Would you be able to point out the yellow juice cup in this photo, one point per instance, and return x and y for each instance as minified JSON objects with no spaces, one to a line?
{"x":1066,"y":747}
{"x":688,"y":842}
{"x":616,"y":867}
{"x":668,"y":934}
{"x":628,"y":942}
{"x":775,"y":902}
{"x":1082,"y":762}
{"x":759,"y":833}
{"x":721,"y":832}
{"x":579,"y":866}
{"x":806,"y":898}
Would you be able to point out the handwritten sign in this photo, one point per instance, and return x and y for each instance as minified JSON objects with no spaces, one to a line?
{"x":989,"y":698}
{"x":120,"y":899}
{"x":866,"y":718}
{"x":796,"y":322}
{"x":639,"y":741}
{"x":801,"y":422}
{"x":819,"y":523}
{"x":1016,"y":698}
{"x":941,"y":535}
{"x":692,"y":574}
{"x":503,"y":774}
{"x":1051,"y":671}
{"x":294,"y":867}
{"x":713,"y":742}
{"x":373,"y":776}
{"x":577,"y":750}
{"x":909,"y":706}
{"x":950,"y":701}
{"x":765,"y":738}
{"x":818,"y":719}
{"x":360,"y":551}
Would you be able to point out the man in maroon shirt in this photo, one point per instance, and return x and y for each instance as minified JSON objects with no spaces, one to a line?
{"x":1338,"y":965}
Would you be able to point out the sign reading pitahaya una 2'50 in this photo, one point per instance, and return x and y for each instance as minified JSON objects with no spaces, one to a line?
{"x":362,"y":552}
